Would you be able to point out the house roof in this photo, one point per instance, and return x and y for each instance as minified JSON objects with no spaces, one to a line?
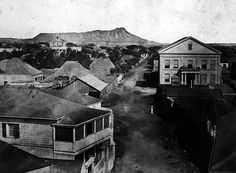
{"x":74,"y":119}
{"x":223,"y":155}
{"x":30,"y":103}
{"x":47,"y":72}
{"x":73,"y":68}
{"x":92,"y":81}
{"x":73,"y":96}
{"x":17,"y":67}
{"x":101,"y":63}
{"x":101,"y":69}
{"x":15,"y":160}
{"x":57,"y":38}
{"x":162,"y":50}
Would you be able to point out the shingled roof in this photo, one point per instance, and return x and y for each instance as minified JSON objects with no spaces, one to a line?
{"x":74,"y":68}
{"x":73,"y":96}
{"x":17,"y":67}
{"x":30,"y":103}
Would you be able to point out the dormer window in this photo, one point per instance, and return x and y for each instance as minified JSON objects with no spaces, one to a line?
{"x":190,"y":46}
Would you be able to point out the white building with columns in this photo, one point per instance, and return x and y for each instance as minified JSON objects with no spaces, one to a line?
{"x":194,"y":62}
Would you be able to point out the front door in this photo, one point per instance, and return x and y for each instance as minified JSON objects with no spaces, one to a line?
{"x":190,"y":79}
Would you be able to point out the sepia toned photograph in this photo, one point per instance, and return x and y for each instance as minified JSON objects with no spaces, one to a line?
{"x":117,"y":86}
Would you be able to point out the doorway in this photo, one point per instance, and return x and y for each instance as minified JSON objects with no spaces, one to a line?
{"x":190,"y":78}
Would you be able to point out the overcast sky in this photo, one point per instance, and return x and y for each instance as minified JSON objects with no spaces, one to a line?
{"x":157,"y":20}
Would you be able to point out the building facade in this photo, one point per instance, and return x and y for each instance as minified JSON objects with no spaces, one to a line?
{"x":54,"y":128}
{"x":190,"y":62}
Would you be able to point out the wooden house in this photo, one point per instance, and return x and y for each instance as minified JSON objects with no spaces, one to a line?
{"x":80,"y":80}
{"x":54,"y":128}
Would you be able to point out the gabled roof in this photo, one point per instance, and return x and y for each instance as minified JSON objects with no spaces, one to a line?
{"x":162,"y":50}
{"x":92,"y":81}
{"x":57,"y":38}
{"x":69,"y":68}
{"x":73,"y":96}
{"x":73,"y":68}
{"x":47,"y":72}
{"x":30,"y":103}
{"x":18,"y":67}
{"x":223,"y":155}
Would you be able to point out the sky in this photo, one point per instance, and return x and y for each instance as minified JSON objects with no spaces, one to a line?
{"x":158,"y":20}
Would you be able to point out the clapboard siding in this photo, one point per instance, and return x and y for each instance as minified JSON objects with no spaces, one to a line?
{"x":79,"y":87}
{"x":31,"y":134}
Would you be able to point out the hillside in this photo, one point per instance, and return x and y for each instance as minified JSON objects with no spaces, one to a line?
{"x":118,"y":36}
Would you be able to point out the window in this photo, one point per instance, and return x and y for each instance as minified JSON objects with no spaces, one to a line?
{"x":79,"y":132}
{"x":212,"y":78}
{"x":99,"y":125}
{"x":10,"y":130}
{"x":204,"y":64}
{"x":64,"y":134}
{"x":106,"y":122}
{"x":167,"y":77}
{"x":167,"y":63}
{"x":190,"y":46}
{"x":190,"y":63}
{"x":176,"y":64}
{"x":212,"y":64}
{"x":89,"y":128}
{"x":203,"y":79}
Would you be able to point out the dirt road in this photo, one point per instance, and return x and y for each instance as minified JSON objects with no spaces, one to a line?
{"x":141,"y":137}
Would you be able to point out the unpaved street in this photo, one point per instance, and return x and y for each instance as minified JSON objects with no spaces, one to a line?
{"x":141,"y":137}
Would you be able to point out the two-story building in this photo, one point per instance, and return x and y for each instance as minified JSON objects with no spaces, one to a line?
{"x":54,"y":128}
{"x":190,"y":62}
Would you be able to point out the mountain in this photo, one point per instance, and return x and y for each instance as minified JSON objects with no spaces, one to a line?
{"x":118,"y":36}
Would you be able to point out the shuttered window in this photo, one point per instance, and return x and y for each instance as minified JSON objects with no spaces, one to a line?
{"x":10,"y":130}
{"x":204,"y":64}
{"x":176,"y":63}
{"x":167,"y":77}
{"x":212,"y":78}
{"x":167,"y":63}
{"x":212,"y":64}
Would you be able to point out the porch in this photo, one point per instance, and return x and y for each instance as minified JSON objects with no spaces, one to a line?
{"x":190,"y":77}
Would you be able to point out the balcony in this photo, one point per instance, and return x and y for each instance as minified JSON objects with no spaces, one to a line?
{"x":70,"y":141}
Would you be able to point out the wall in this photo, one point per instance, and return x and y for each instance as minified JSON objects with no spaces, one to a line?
{"x":183,"y":59}
{"x":34,"y":138}
{"x":79,"y":87}
{"x":15,"y":78}
{"x":106,"y":91}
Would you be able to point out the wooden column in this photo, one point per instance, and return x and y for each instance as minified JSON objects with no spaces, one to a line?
{"x":185,"y":77}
